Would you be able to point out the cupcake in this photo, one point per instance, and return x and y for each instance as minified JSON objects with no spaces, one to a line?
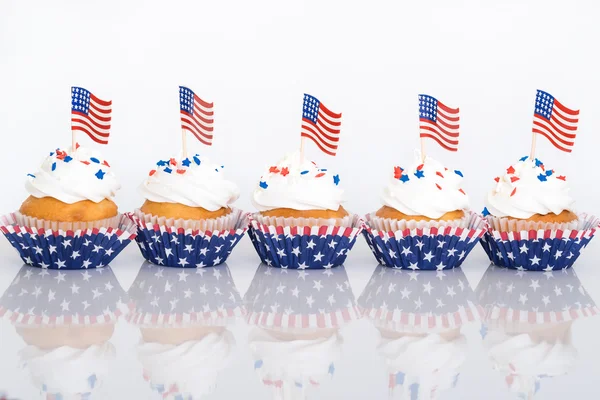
{"x":532,"y":222}
{"x":295,"y":320}
{"x":419,"y":317}
{"x":187,"y":219}
{"x":424,"y":222}
{"x":301,"y":222}
{"x":66,"y":319}
{"x":70,"y":219}
{"x":183,"y":319}
{"x":527,"y":329}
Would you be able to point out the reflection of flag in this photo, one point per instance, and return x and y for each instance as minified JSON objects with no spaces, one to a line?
{"x":320,"y":125}
{"x":554,"y":121}
{"x":91,"y":115}
{"x":438,"y":122}
{"x":197,"y":115}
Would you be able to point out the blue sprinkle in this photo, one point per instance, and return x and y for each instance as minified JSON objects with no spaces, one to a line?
{"x":542,"y":177}
{"x":222,"y":166}
{"x":457,"y":172}
{"x":161,"y":163}
{"x":196,"y":160}
{"x":168,"y":170}
{"x":92,"y":380}
{"x":298,"y":384}
{"x":100,"y":174}
{"x":31,"y":175}
{"x":523,"y":158}
{"x":258,"y":364}
{"x":331,"y":369}
{"x":485,"y":212}
{"x":323,"y":169}
{"x":538,"y":162}
{"x":303,"y":172}
{"x":51,"y":153}
{"x":404,"y":178}
{"x":68,"y":159}
{"x":263,"y":184}
{"x":217,"y":169}
{"x":549,"y":173}
{"x":336,"y":179}
{"x":95,"y":160}
{"x":53,"y":166}
{"x":186,"y":162}
{"x":419,"y":174}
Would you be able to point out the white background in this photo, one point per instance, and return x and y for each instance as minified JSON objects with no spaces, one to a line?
{"x":255,"y":59}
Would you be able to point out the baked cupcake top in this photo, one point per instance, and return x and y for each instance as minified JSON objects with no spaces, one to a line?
{"x":299,"y":185}
{"x":73,"y":176}
{"x":425,"y":189}
{"x":528,"y":188}
{"x":193,"y":181}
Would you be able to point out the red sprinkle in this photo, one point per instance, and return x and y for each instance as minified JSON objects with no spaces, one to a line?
{"x":173,"y":161}
{"x":445,"y":169}
{"x":439,"y":174}
{"x":462,"y":191}
{"x":320,"y":175}
{"x":513,"y":192}
{"x":285,"y":171}
{"x":274,"y":170}
{"x":106,"y":163}
{"x":181,"y":171}
{"x":562,"y":178}
{"x":152,"y":172}
{"x":514,"y":178}
{"x":438,"y":186}
{"x":76,"y":146}
{"x":542,"y":167}
{"x":497,"y":179}
{"x":85,"y":162}
{"x":420,"y":167}
{"x":398,"y":172}
{"x":510,"y":170}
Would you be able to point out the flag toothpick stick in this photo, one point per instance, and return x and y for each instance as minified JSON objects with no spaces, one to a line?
{"x":438,"y":122}
{"x":301,"y":148}
{"x":320,"y":125}
{"x":197,"y":116}
{"x":184,"y":144}
{"x":555,"y":122}
{"x":533,"y":143}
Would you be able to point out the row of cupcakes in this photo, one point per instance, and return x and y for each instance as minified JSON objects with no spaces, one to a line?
{"x":187,"y":219}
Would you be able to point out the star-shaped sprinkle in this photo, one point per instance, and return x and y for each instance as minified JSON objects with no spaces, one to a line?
{"x":100,"y":174}
{"x":404,"y":178}
{"x":420,"y":174}
{"x":549,"y":173}
{"x":284,"y":171}
{"x":186,"y":162}
{"x":162,"y":163}
{"x":336,"y":179}
{"x":497,"y":179}
{"x":510,"y":170}
{"x":542,"y":178}
{"x":263,"y":184}
{"x":562,"y":177}
{"x":398,"y":172}
{"x":274,"y":170}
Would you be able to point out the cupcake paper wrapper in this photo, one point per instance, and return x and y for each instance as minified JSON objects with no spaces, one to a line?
{"x":188,"y":248}
{"x":303,"y":247}
{"x":541,"y":250}
{"x":58,"y":249}
{"x":435,"y":248}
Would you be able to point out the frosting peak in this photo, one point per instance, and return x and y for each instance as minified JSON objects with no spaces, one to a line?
{"x":425,"y":188}
{"x":194,"y":182}
{"x":298,"y":184}
{"x":73,"y":176}
{"x":527,"y":188}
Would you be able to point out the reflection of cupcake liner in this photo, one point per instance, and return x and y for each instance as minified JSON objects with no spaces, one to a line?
{"x":296,"y":317}
{"x":57,"y":249}
{"x":187,"y":248}
{"x":427,"y":249}
{"x":419,"y":316}
{"x":538,"y":250}
{"x":528,"y":319}
{"x":182,"y":318}
{"x":308,"y":247}
{"x":66,"y":318}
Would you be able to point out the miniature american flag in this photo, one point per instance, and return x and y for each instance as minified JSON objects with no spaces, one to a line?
{"x":91,"y":115}
{"x":320,"y":125}
{"x":438,"y":122}
{"x":196,"y":115}
{"x":554,"y":121}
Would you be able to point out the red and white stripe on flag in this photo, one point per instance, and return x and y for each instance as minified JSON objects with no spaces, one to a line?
{"x":90,"y":114}
{"x":555,"y":122}
{"x":197,"y":115}
{"x":438,"y":122}
{"x":320,"y":125}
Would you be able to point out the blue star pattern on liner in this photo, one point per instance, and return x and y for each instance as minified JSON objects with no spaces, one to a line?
{"x":336,"y":179}
{"x":90,"y":248}
{"x":310,"y":110}
{"x":428,"y":107}
{"x":100,"y":174}
{"x":431,"y":249}
{"x":419,"y":174}
{"x":540,"y":250}
{"x":544,"y":102}
{"x":186,"y":249}
{"x":303,"y":248}
{"x":80,"y":100}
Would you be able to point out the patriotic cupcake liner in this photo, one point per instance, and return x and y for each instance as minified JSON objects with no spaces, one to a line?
{"x":58,"y":249}
{"x":188,"y":248}
{"x":435,"y":248}
{"x":303,"y":247}
{"x":541,"y":250}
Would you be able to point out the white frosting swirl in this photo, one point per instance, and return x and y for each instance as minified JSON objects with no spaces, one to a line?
{"x":297,"y":184}
{"x":73,"y":176}
{"x":528,"y":188}
{"x":194,"y":182}
{"x":425,"y":188}
{"x":67,"y":370}
{"x":193,"y":366}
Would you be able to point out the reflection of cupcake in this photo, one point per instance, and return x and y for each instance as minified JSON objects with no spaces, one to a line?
{"x":66,"y":319}
{"x":300,"y":204}
{"x":533,"y":198}
{"x":296,"y":317}
{"x":424,"y":222}
{"x":527,"y":327}
{"x":72,"y":195}
{"x":419,"y":316}
{"x":183,"y":318}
